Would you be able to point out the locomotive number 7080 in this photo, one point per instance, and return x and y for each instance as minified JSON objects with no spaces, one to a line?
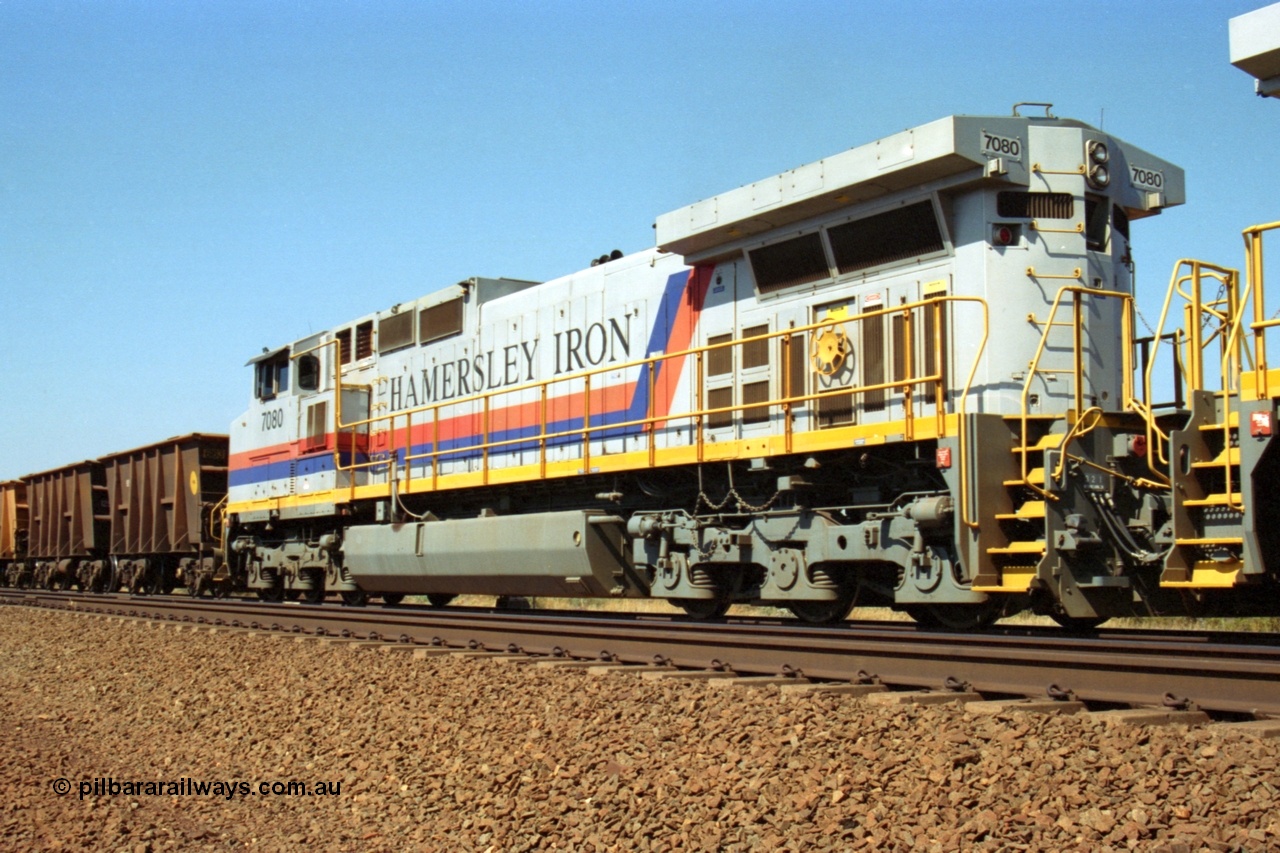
{"x":272,"y":418}
{"x":1001,"y":145}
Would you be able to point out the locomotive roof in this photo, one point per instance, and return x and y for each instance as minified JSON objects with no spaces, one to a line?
{"x":951,"y":147}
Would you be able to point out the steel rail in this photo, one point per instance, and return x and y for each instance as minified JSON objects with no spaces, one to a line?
{"x":1211,"y":672}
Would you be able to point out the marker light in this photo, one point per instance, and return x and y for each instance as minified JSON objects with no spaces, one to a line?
{"x":1004,"y":235}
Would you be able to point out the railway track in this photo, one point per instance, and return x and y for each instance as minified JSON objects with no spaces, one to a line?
{"x":1232,"y":677}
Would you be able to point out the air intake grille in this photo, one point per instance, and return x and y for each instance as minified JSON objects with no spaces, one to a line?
{"x":440,"y":321}
{"x":1018,"y":205}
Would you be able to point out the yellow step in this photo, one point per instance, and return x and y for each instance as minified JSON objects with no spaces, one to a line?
{"x":1209,"y":574}
{"x":1049,"y":441}
{"x":1229,"y":456}
{"x":1212,"y":540}
{"x":1029,"y":509}
{"x":1233,"y":420}
{"x":1035,"y":477}
{"x":1034,"y":546}
{"x":1215,"y":500}
{"x":1013,"y":579}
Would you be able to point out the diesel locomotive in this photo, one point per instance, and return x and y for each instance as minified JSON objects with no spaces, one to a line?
{"x":905,"y":375}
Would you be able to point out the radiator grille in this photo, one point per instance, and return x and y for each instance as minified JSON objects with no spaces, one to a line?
{"x":789,"y":263}
{"x":886,"y":237}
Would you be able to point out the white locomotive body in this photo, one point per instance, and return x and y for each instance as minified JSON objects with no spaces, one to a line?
{"x":817,"y":389}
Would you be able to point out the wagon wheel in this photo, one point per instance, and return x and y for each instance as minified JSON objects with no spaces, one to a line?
{"x":355,"y":598}
{"x":101,"y":580}
{"x":391,"y":599}
{"x":828,"y":350}
{"x":440,"y":599}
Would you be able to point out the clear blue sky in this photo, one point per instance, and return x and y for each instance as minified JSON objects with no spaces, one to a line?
{"x":182,"y":184}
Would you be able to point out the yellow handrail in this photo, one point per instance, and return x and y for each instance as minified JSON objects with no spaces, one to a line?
{"x":650,"y":420}
{"x":1193,"y":364}
{"x":217,"y":516}
{"x":1254,"y":273}
{"x":1077,"y":293}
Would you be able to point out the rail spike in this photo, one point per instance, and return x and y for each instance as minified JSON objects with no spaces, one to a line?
{"x":1059,"y":694}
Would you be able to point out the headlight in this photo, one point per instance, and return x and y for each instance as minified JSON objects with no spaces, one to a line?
{"x":1098,"y":152}
{"x":1099,"y":176}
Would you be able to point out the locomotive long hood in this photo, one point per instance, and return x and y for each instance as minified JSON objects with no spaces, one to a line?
{"x":953,"y":149}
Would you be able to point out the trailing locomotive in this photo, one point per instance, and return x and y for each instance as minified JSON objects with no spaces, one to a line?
{"x":904,"y":375}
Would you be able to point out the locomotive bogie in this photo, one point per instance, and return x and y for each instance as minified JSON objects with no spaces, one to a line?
{"x":298,"y":561}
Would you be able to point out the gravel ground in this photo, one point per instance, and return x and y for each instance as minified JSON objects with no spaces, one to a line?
{"x":451,"y":754}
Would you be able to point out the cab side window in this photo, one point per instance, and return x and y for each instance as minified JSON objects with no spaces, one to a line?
{"x":272,"y":376}
{"x":308,"y":373}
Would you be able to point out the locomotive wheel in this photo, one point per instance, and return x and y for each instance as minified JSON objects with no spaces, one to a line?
{"x":313,"y":596}
{"x":703,"y":608}
{"x":221,"y":589}
{"x":440,"y":599}
{"x":272,"y":595}
{"x":292,"y":594}
{"x":824,"y":612}
{"x":956,"y":617}
{"x":355,"y":598}
{"x":391,"y":599}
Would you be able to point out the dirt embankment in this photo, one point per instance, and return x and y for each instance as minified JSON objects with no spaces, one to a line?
{"x":449,"y":754}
